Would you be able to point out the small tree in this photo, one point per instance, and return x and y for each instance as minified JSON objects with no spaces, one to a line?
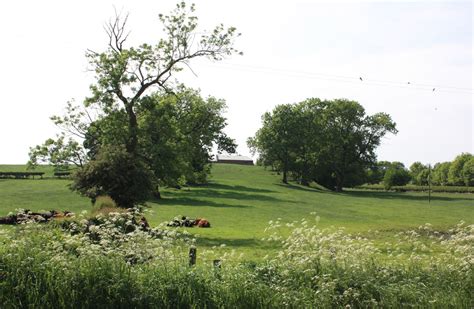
{"x":468,"y":172}
{"x":115,"y":173}
{"x":419,"y":173}
{"x":396,"y":177}
{"x":455,"y":174}
{"x":440,"y":173}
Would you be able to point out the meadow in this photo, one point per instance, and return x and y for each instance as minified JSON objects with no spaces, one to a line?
{"x":280,"y":246}
{"x":239,"y":201}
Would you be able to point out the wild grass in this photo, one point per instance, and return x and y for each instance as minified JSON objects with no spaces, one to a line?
{"x":240,"y":200}
{"x":45,"y":267}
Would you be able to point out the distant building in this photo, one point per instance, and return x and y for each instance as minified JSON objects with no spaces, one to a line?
{"x":233,"y":159}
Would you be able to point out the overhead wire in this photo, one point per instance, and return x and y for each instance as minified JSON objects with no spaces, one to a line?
{"x":346,"y":78}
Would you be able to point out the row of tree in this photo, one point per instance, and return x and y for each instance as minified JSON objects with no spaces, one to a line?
{"x":332,"y":142}
{"x":140,"y":128}
{"x":459,"y":172}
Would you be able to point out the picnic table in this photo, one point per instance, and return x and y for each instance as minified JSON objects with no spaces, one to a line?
{"x":21,"y":175}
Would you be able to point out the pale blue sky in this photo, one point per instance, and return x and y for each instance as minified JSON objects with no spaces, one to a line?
{"x":426,"y":43}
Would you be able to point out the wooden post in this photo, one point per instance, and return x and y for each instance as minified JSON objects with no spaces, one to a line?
{"x":217,"y":264}
{"x":192,"y":256}
{"x":217,"y":268}
{"x":429,"y":183}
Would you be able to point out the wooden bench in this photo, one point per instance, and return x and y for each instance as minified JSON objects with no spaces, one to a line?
{"x":62,"y":174}
{"x":21,"y":175}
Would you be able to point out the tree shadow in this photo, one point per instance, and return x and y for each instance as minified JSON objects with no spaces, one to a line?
{"x":236,"y":195}
{"x":403,"y":195}
{"x":301,"y":188}
{"x":185,"y":201}
{"x":233,"y":242}
{"x":214,"y":185}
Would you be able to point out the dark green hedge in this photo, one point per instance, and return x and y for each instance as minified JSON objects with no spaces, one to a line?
{"x":448,"y":189}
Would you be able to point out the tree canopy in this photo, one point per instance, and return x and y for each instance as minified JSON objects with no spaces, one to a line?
{"x":328,"y":141}
{"x":136,"y":105}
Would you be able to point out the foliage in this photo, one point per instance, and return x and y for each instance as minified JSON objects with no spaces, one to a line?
{"x":455,"y":174}
{"x":440,"y":173}
{"x":115,"y":173}
{"x":61,"y":152}
{"x":43,"y":267}
{"x":376,"y":172}
{"x":419,"y":173}
{"x":124,"y":75}
{"x":136,"y":103}
{"x":177,"y":133}
{"x":331,"y":142}
{"x":396,"y":177}
{"x":468,"y":172}
{"x":416,"y":188}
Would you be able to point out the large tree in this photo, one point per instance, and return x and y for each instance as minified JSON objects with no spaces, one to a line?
{"x":125,"y":74}
{"x":331,"y":142}
{"x":352,"y":138}
{"x":276,"y":141}
{"x":140,"y":107}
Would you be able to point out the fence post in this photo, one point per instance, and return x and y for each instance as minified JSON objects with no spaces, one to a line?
{"x":217,"y":264}
{"x":217,"y":268}
{"x":192,"y":256}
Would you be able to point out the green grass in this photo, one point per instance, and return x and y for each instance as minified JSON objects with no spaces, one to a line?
{"x":41,"y":267}
{"x":240,"y":200}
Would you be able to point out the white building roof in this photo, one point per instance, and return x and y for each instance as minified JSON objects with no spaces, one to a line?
{"x":233,"y":157}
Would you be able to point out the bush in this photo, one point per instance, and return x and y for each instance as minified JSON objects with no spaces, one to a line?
{"x":396,"y":177}
{"x":414,"y":188}
{"x":102,"y":202}
{"x":115,"y":173}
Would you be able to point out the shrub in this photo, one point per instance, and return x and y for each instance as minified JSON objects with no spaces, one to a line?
{"x":468,"y":172}
{"x":115,"y":173}
{"x":396,"y":177}
{"x":447,"y":189}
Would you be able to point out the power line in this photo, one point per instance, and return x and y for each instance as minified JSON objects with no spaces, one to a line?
{"x":345,"y":78}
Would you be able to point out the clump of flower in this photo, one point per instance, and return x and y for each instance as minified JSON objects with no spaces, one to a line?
{"x":338,"y":268}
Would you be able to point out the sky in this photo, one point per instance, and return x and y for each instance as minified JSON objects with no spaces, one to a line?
{"x":293,"y":50}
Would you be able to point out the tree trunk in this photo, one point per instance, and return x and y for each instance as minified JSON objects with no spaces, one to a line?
{"x":339,"y":183}
{"x":156,"y":193}
{"x":285,"y":177}
{"x":132,"y":130}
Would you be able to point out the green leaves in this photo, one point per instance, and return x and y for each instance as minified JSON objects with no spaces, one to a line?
{"x":60,"y":152}
{"x":330,"y":142}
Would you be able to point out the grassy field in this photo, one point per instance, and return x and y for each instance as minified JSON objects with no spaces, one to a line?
{"x":239,"y":202}
{"x":104,"y":266}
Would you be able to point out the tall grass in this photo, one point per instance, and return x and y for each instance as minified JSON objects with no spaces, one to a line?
{"x":46,"y":267}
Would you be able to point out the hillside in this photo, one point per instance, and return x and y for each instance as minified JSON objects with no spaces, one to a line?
{"x":240,"y":200}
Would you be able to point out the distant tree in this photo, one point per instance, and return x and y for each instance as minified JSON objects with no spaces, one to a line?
{"x":439,"y":174}
{"x":419,"y":173}
{"x":277,"y":139}
{"x":468,"y":172}
{"x":376,"y":172}
{"x":455,"y":174}
{"x":396,"y":176}
{"x":331,"y":142}
{"x":351,"y":138}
